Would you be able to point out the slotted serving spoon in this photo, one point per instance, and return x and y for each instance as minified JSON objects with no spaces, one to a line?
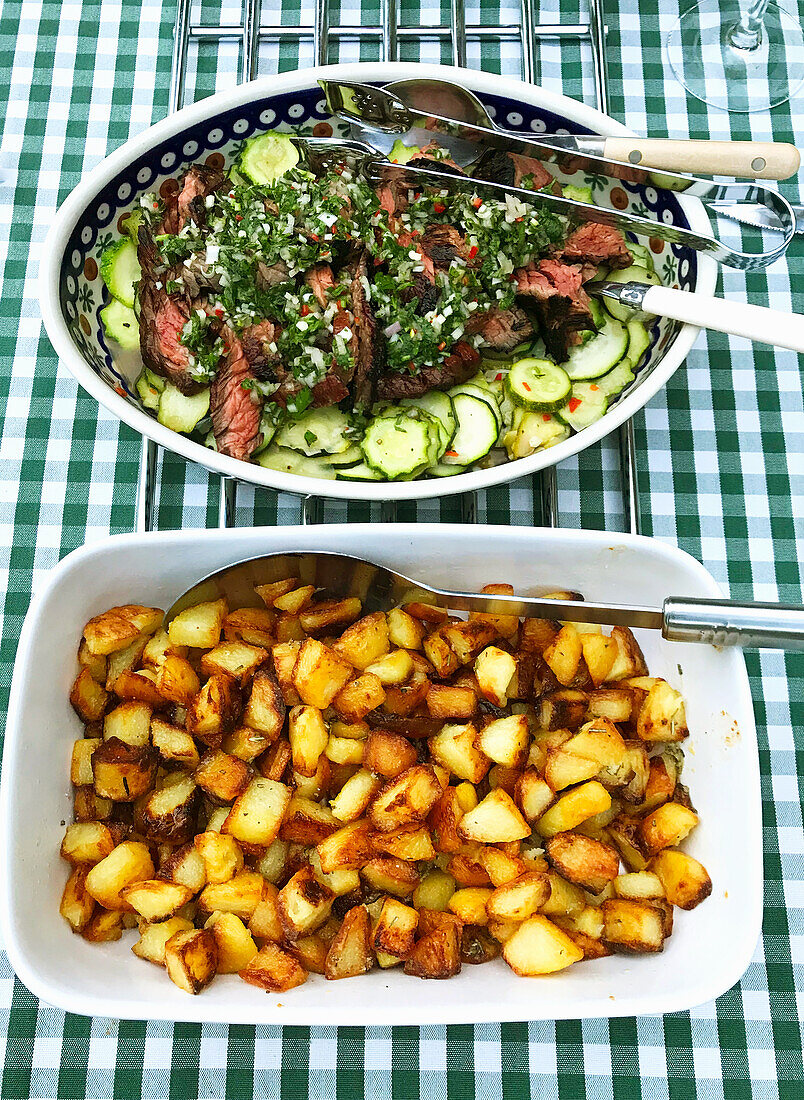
{"x":336,"y":576}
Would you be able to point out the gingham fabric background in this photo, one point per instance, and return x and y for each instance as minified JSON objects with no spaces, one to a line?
{"x":721,"y":464}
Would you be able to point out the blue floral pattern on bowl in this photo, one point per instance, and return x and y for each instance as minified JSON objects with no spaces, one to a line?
{"x":218,"y":139}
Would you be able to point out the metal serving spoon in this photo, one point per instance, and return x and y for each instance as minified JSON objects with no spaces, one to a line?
{"x":336,"y":576}
{"x":770,"y":160}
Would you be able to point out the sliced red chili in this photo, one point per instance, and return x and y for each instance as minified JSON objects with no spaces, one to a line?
{"x":525,"y":386}
{"x":546,"y":418}
{"x":439,"y":207}
{"x":477,"y":202}
{"x":473,"y":252}
{"x":574,"y":403}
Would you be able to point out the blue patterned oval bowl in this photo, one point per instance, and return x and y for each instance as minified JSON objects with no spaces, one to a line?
{"x":73,"y":294}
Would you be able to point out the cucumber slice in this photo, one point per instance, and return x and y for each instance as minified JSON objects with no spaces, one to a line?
{"x":496,"y":356}
{"x":401,"y":153}
{"x":179,"y":412}
{"x":319,"y":430}
{"x":586,"y":405}
{"x":286,"y":461}
{"x":478,"y":387}
{"x":120,"y":270}
{"x":617,"y":379}
{"x":438,"y":405}
{"x":269,"y":426}
{"x":131,"y":224}
{"x":578,"y":194}
{"x":149,"y":393}
{"x":532,"y":431}
{"x":401,"y":445}
{"x":477,"y":430}
{"x":441,"y":469}
{"x":643,"y":257}
{"x":638,"y":342}
{"x":632,"y":274}
{"x":351,"y":457}
{"x":268,"y":156}
{"x":361,"y":472}
{"x":537,"y":384}
{"x":121,"y":325}
{"x":598,"y":356}
{"x":598,"y":311}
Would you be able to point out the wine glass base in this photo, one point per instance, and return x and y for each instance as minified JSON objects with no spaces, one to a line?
{"x":701,"y":52}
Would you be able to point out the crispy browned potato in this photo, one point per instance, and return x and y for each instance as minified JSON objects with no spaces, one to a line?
{"x":177,"y":681}
{"x":123,"y":772}
{"x":274,"y":969}
{"x":685,"y":881}
{"x":406,"y":800}
{"x":88,"y":698}
{"x":77,"y":904}
{"x":191,"y":959}
{"x":388,"y":754}
{"x":633,"y":926}
{"x":167,"y":814}
{"x":215,"y":710}
{"x":582,"y":860}
{"x":129,"y":862}
{"x":350,"y":952}
{"x":304,"y":904}
{"x":436,"y":955}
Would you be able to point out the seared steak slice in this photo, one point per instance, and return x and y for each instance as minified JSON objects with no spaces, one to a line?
{"x":456,"y":368}
{"x":235,"y":416}
{"x":498,"y":166}
{"x":502,"y":329}
{"x":434,"y":156}
{"x":320,"y":279}
{"x":561,"y":303}
{"x":367,"y":341}
{"x":596,"y":244}
{"x":268,"y":276}
{"x":444,"y":244}
{"x":264,"y":363}
{"x":199,"y":181}
{"x":425,"y":291}
{"x":331,"y":390}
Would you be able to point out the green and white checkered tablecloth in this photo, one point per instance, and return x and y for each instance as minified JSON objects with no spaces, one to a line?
{"x":721,"y":461}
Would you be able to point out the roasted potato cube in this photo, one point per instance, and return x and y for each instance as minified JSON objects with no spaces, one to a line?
{"x":119,"y":626}
{"x":241,"y":894}
{"x":494,"y":669}
{"x":436,"y":955}
{"x":167,"y":814}
{"x":221,"y":856}
{"x":222,"y":776}
{"x":639,"y":886}
{"x":359,"y":697}
{"x":434,"y":892}
{"x":345,"y":751}
{"x":395,"y":930}
{"x":349,"y":847}
{"x":186,"y":866}
{"x":235,"y":945}
{"x":629,"y":776}
{"x":265,"y":923}
{"x":77,"y":904}
{"x":176,"y":680}
{"x":615,"y":704}
{"x":321,"y":617}
{"x":265,"y":709}
{"x":155,"y":899}
{"x":274,"y":969}
{"x":441,"y":654}
{"x":253,"y":625}
{"x":625,"y":834}
{"x":272,"y":863}
{"x":174,"y":745}
{"x":153,"y":937}
{"x":500,"y":867}
{"x":88,"y":698}
{"x":129,"y":862}
{"x":538,"y":634}
{"x":311,"y":951}
{"x":518,"y":900}
{"x":685,"y":882}
{"x":308,"y":738}
{"x":87,"y":843}
{"x":304,"y":904}
{"x":533,"y":795}
{"x":403,"y":699}
{"x":284,"y":656}
{"x":564,"y":769}
{"x":365,"y":641}
{"x":574,"y":807}
{"x":345,"y":880}
{"x":93,"y":662}
{"x":633,"y":926}
{"x":444,"y":820}
{"x":600,"y":653}
{"x":215,"y":710}
{"x":466,"y":639}
{"x":566,"y":899}
{"x":274,"y":761}
{"x":390,"y":875}
{"x":406,"y":800}
{"x":199,"y":627}
{"x":245,"y":743}
{"x":130,"y":722}
{"x":295,"y":600}
{"x":415,"y":844}
{"x":354,"y":796}
{"x":123,"y":772}
{"x":124,"y":660}
{"x":447,"y":701}
{"x":81,"y":763}
{"x":306,"y":822}
{"x":273,"y":591}
{"x":88,"y":806}
{"x":139,"y":685}
{"x":505,"y":740}
{"x":666,"y":827}
{"x":563,"y":710}
{"x":388,"y":754}
{"x":393,"y":668}
{"x":629,"y":660}
{"x":350,"y":952}
{"x":403,"y":630}
{"x":494,"y":820}
{"x":662,"y":716}
{"x":158,"y":647}
{"x":582,"y":860}
{"x":540,"y":947}
{"x":320,"y":673}
{"x":257,"y":814}
{"x":506,"y":626}
{"x":191,"y":959}
{"x":660,"y":785}
{"x":236,"y":659}
{"x":564,"y":654}
{"x":455,"y":749}
{"x":105,"y":926}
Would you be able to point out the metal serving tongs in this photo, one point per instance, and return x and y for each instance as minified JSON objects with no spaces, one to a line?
{"x":378,"y":109}
{"x":336,"y":576}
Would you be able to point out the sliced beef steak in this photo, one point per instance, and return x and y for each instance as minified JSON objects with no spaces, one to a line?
{"x":596,"y":244}
{"x":456,"y":368}
{"x":444,"y":244}
{"x":235,"y":417}
{"x":498,"y":166}
{"x":502,"y":329}
{"x":367,"y":341}
{"x":271,"y":275}
{"x":320,"y":280}
{"x":561,"y":303}
{"x":199,"y":181}
{"x":255,"y":340}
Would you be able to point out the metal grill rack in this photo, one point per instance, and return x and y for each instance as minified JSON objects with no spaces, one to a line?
{"x":528,"y":32}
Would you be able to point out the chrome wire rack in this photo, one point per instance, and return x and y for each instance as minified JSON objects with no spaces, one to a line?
{"x":528,"y":33}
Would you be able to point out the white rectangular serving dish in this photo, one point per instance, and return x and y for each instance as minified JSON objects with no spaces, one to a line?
{"x":709,"y":949}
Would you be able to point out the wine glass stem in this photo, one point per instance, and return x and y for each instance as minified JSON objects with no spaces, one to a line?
{"x":747,"y":34}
